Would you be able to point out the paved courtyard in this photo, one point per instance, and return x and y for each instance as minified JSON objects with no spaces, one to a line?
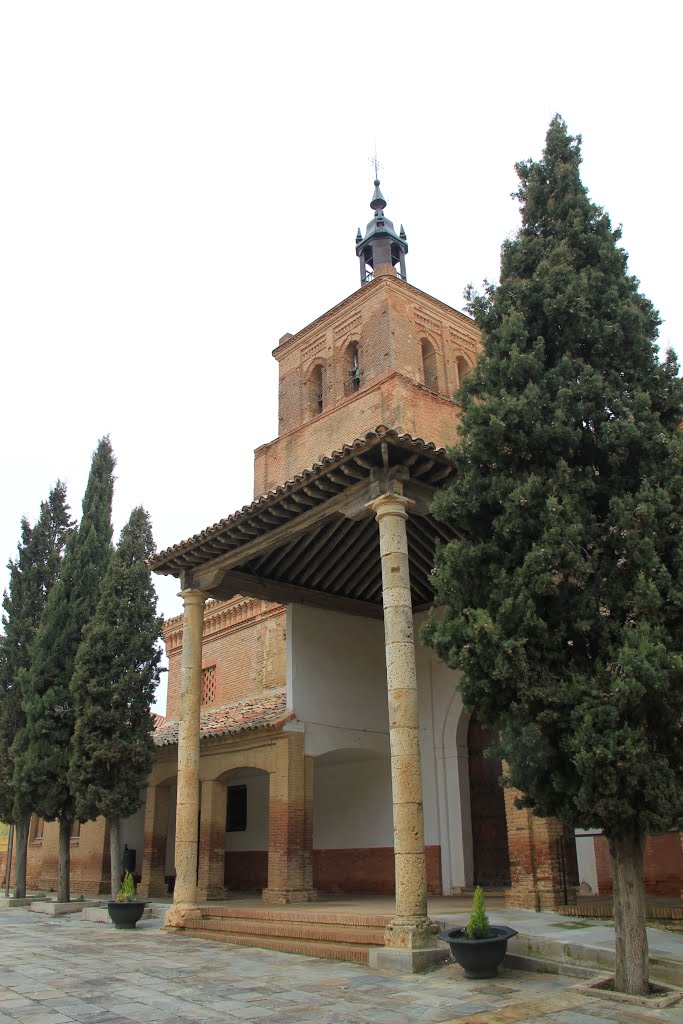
{"x":54,"y":971}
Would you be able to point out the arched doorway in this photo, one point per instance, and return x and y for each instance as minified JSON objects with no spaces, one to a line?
{"x":490,"y":854}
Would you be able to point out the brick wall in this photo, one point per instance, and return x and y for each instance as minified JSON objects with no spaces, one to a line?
{"x":89,"y":858}
{"x":244,"y":639}
{"x":390,"y":323}
{"x":368,"y":870}
{"x":663,"y":865}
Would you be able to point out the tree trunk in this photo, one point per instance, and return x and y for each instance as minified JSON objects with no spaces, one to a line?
{"x":632,"y":964}
{"x":20,"y":847}
{"x":64,"y":870}
{"x":115,"y":855}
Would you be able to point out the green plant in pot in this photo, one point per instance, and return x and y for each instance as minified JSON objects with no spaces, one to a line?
{"x":479,"y":947}
{"x":126,"y":910}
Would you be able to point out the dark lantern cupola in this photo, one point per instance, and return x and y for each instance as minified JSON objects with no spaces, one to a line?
{"x":381,"y":244}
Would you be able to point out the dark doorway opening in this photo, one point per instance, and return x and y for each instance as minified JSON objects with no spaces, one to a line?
{"x":491,"y":857}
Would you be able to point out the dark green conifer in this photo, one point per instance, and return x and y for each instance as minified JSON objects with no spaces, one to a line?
{"x":41,"y":749}
{"x":32,"y":575}
{"x":564,"y":598}
{"x":116,"y":673}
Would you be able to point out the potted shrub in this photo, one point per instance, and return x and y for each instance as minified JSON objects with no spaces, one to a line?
{"x":126,"y":910}
{"x":479,"y":947}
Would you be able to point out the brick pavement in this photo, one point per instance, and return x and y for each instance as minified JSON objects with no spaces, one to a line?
{"x":55,"y":971}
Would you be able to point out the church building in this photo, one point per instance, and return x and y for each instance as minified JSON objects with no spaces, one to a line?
{"x":312,"y":745}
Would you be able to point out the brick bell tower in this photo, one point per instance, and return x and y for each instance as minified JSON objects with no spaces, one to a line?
{"x":387,"y":354}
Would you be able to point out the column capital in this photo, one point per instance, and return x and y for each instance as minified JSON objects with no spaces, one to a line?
{"x":390,"y":504}
{"x":193,"y":597}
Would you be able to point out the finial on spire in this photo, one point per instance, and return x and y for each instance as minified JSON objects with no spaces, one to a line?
{"x":376,"y":164}
{"x":380,"y":246}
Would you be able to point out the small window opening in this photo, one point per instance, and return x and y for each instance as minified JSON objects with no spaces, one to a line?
{"x":237,"y":809}
{"x":75,"y":829}
{"x":38,"y":830}
{"x":431,"y":378}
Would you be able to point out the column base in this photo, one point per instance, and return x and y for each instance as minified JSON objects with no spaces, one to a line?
{"x":283,"y":896}
{"x":411,"y":933}
{"x":182,"y":915}
{"x":406,"y":961}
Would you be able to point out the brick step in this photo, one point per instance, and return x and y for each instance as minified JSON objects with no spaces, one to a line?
{"x":303,"y":947}
{"x":307,"y":917}
{"x":301,"y":929}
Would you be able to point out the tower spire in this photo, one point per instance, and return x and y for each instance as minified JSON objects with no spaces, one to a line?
{"x":380,"y":245}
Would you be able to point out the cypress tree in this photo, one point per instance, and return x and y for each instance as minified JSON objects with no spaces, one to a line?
{"x":564,"y":596}
{"x":116,"y":673}
{"x":41,"y":748}
{"x":32,"y":576}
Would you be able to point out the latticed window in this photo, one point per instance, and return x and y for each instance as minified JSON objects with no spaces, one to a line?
{"x":209,"y":685}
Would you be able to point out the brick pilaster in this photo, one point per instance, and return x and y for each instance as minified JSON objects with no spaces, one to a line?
{"x":211,"y":877}
{"x":289,"y":834}
{"x":157,"y":805}
{"x":535,"y":870}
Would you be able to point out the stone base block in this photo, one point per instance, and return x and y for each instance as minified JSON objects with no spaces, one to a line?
{"x":411,"y":933}
{"x":10,"y":901}
{"x":406,"y":961}
{"x":182,"y":916}
{"x":283,"y":896}
{"x":60,"y":909}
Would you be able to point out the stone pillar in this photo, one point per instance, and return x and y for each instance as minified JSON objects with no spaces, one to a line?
{"x":535,"y":870}
{"x":153,"y":869}
{"x":410,"y":928}
{"x":211,"y":877}
{"x":289,"y":832}
{"x":184,"y":907}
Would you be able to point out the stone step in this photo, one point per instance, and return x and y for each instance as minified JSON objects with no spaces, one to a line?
{"x":314,"y":917}
{"x":303,"y":947}
{"x":303,"y":928}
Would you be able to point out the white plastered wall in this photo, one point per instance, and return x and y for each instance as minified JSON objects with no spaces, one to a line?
{"x":133,"y":834}
{"x":336,"y":685}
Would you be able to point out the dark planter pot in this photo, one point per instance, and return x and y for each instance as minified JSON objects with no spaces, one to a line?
{"x":479,"y":957}
{"x":126,"y":915}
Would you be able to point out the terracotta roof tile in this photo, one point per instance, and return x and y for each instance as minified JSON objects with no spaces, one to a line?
{"x":258,"y":713}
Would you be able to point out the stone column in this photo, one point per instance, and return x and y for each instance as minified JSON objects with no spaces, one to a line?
{"x":289,"y":826}
{"x":153,"y":869}
{"x":211,"y":877}
{"x":184,"y":907}
{"x":410,"y":928}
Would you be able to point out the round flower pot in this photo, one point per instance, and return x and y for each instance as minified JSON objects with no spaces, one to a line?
{"x":480,"y":958}
{"x":125,"y":915}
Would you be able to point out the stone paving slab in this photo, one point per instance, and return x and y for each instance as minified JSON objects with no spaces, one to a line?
{"x":67,"y":971}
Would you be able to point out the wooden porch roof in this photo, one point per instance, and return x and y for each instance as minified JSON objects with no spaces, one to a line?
{"x":313,"y":540}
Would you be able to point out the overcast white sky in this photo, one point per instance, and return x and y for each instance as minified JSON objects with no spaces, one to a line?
{"x":181,"y":184}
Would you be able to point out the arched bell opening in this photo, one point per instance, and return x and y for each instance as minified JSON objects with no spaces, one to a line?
{"x":430,"y":373}
{"x":351,"y":372}
{"x":315,"y":390}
